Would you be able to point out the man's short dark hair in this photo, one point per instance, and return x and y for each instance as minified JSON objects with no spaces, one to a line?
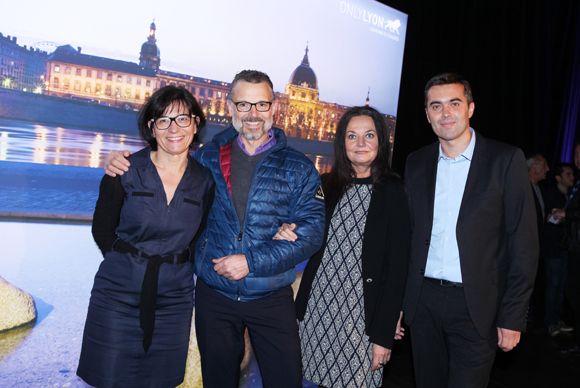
{"x":559,"y":168}
{"x":448,"y":79}
{"x":253,"y":77}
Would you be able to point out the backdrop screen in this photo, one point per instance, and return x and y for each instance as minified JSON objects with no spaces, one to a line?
{"x":323,"y":57}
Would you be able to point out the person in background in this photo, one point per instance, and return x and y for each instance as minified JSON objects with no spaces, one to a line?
{"x":351,"y":292}
{"x":571,"y":214}
{"x":139,"y":318}
{"x":537,"y":170}
{"x":554,"y":250}
{"x":474,"y":247}
{"x":244,"y":277}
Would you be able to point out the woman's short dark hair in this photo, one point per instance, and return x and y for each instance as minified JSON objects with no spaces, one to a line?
{"x":340,"y":177}
{"x":157,"y":105}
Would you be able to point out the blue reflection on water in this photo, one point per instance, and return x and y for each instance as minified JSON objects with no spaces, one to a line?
{"x":27,"y":142}
{"x":22,"y":141}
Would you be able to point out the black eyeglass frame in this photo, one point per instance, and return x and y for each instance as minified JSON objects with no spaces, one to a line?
{"x":253,"y":105}
{"x":172,"y":119}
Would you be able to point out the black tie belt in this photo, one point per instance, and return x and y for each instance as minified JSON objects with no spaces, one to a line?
{"x":149,"y":286}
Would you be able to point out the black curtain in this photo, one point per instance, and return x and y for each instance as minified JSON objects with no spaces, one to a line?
{"x":517,"y":55}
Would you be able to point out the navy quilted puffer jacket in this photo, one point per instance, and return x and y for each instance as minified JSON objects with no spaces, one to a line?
{"x":283,"y":189}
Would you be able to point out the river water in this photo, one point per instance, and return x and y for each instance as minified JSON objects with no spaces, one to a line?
{"x":21,"y":141}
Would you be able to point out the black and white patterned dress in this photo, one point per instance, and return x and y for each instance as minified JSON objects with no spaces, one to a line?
{"x":336,"y":352}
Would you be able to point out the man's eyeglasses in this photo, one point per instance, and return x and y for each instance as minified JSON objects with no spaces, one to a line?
{"x":182,"y":121}
{"x":261,"y":106}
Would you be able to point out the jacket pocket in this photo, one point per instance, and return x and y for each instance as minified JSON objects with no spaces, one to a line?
{"x":489,"y":194}
{"x":190,"y":210}
{"x":140,"y":205}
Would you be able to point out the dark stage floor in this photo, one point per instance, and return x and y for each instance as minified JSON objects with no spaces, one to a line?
{"x":534,"y":363}
{"x":46,"y":355}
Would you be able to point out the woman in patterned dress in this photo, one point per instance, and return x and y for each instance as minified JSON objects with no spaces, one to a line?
{"x":351,"y":292}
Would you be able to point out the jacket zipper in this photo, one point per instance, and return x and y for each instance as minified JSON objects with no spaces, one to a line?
{"x":241,"y":234}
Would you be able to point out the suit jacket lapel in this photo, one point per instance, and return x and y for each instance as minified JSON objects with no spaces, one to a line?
{"x":475,"y":171}
{"x":430,"y":164}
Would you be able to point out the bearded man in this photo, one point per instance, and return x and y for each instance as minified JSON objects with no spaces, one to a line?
{"x":244,"y":276}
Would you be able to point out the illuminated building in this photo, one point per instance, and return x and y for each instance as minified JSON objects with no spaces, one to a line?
{"x":20,"y":67}
{"x":300,"y":112}
{"x":211,"y":94}
{"x":96,"y":79}
{"x":69,"y":73}
{"x":72,"y":74}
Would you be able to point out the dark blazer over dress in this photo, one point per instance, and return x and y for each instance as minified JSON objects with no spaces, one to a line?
{"x":385,"y":253}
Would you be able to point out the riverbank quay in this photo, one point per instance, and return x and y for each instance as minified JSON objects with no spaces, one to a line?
{"x":51,"y":110}
{"x":48,"y":193}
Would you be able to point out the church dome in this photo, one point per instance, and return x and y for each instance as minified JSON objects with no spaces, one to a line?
{"x":149,"y":48}
{"x":303,"y":75}
{"x":149,"y":57}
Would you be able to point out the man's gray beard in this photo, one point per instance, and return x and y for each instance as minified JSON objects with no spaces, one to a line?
{"x":252,"y":136}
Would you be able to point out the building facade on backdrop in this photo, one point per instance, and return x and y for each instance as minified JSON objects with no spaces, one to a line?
{"x":69,"y":73}
{"x":72,"y":74}
{"x":21,"y":67}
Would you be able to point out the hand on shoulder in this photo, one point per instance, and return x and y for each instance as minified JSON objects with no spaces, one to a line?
{"x":117,"y":163}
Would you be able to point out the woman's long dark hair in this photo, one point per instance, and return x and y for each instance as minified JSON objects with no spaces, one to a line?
{"x":342,"y":173}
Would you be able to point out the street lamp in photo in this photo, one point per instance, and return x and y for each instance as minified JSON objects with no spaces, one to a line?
{"x":7,"y":82}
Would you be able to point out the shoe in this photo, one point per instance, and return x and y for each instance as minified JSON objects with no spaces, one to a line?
{"x":554,"y":330}
{"x":564,"y":327}
{"x":572,"y":351}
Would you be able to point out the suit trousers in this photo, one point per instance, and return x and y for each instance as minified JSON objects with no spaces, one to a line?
{"x":554,"y":295}
{"x":220,"y":323}
{"x":447,"y":349}
{"x":572,"y":290}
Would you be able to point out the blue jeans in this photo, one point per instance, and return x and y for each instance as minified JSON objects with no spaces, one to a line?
{"x":555,"y":280}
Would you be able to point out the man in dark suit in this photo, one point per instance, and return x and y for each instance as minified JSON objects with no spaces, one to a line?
{"x":474,"y":247}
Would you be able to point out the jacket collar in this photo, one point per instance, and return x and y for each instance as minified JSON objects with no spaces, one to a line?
{"x":142,"y":159}
{"x":229,"y":134}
